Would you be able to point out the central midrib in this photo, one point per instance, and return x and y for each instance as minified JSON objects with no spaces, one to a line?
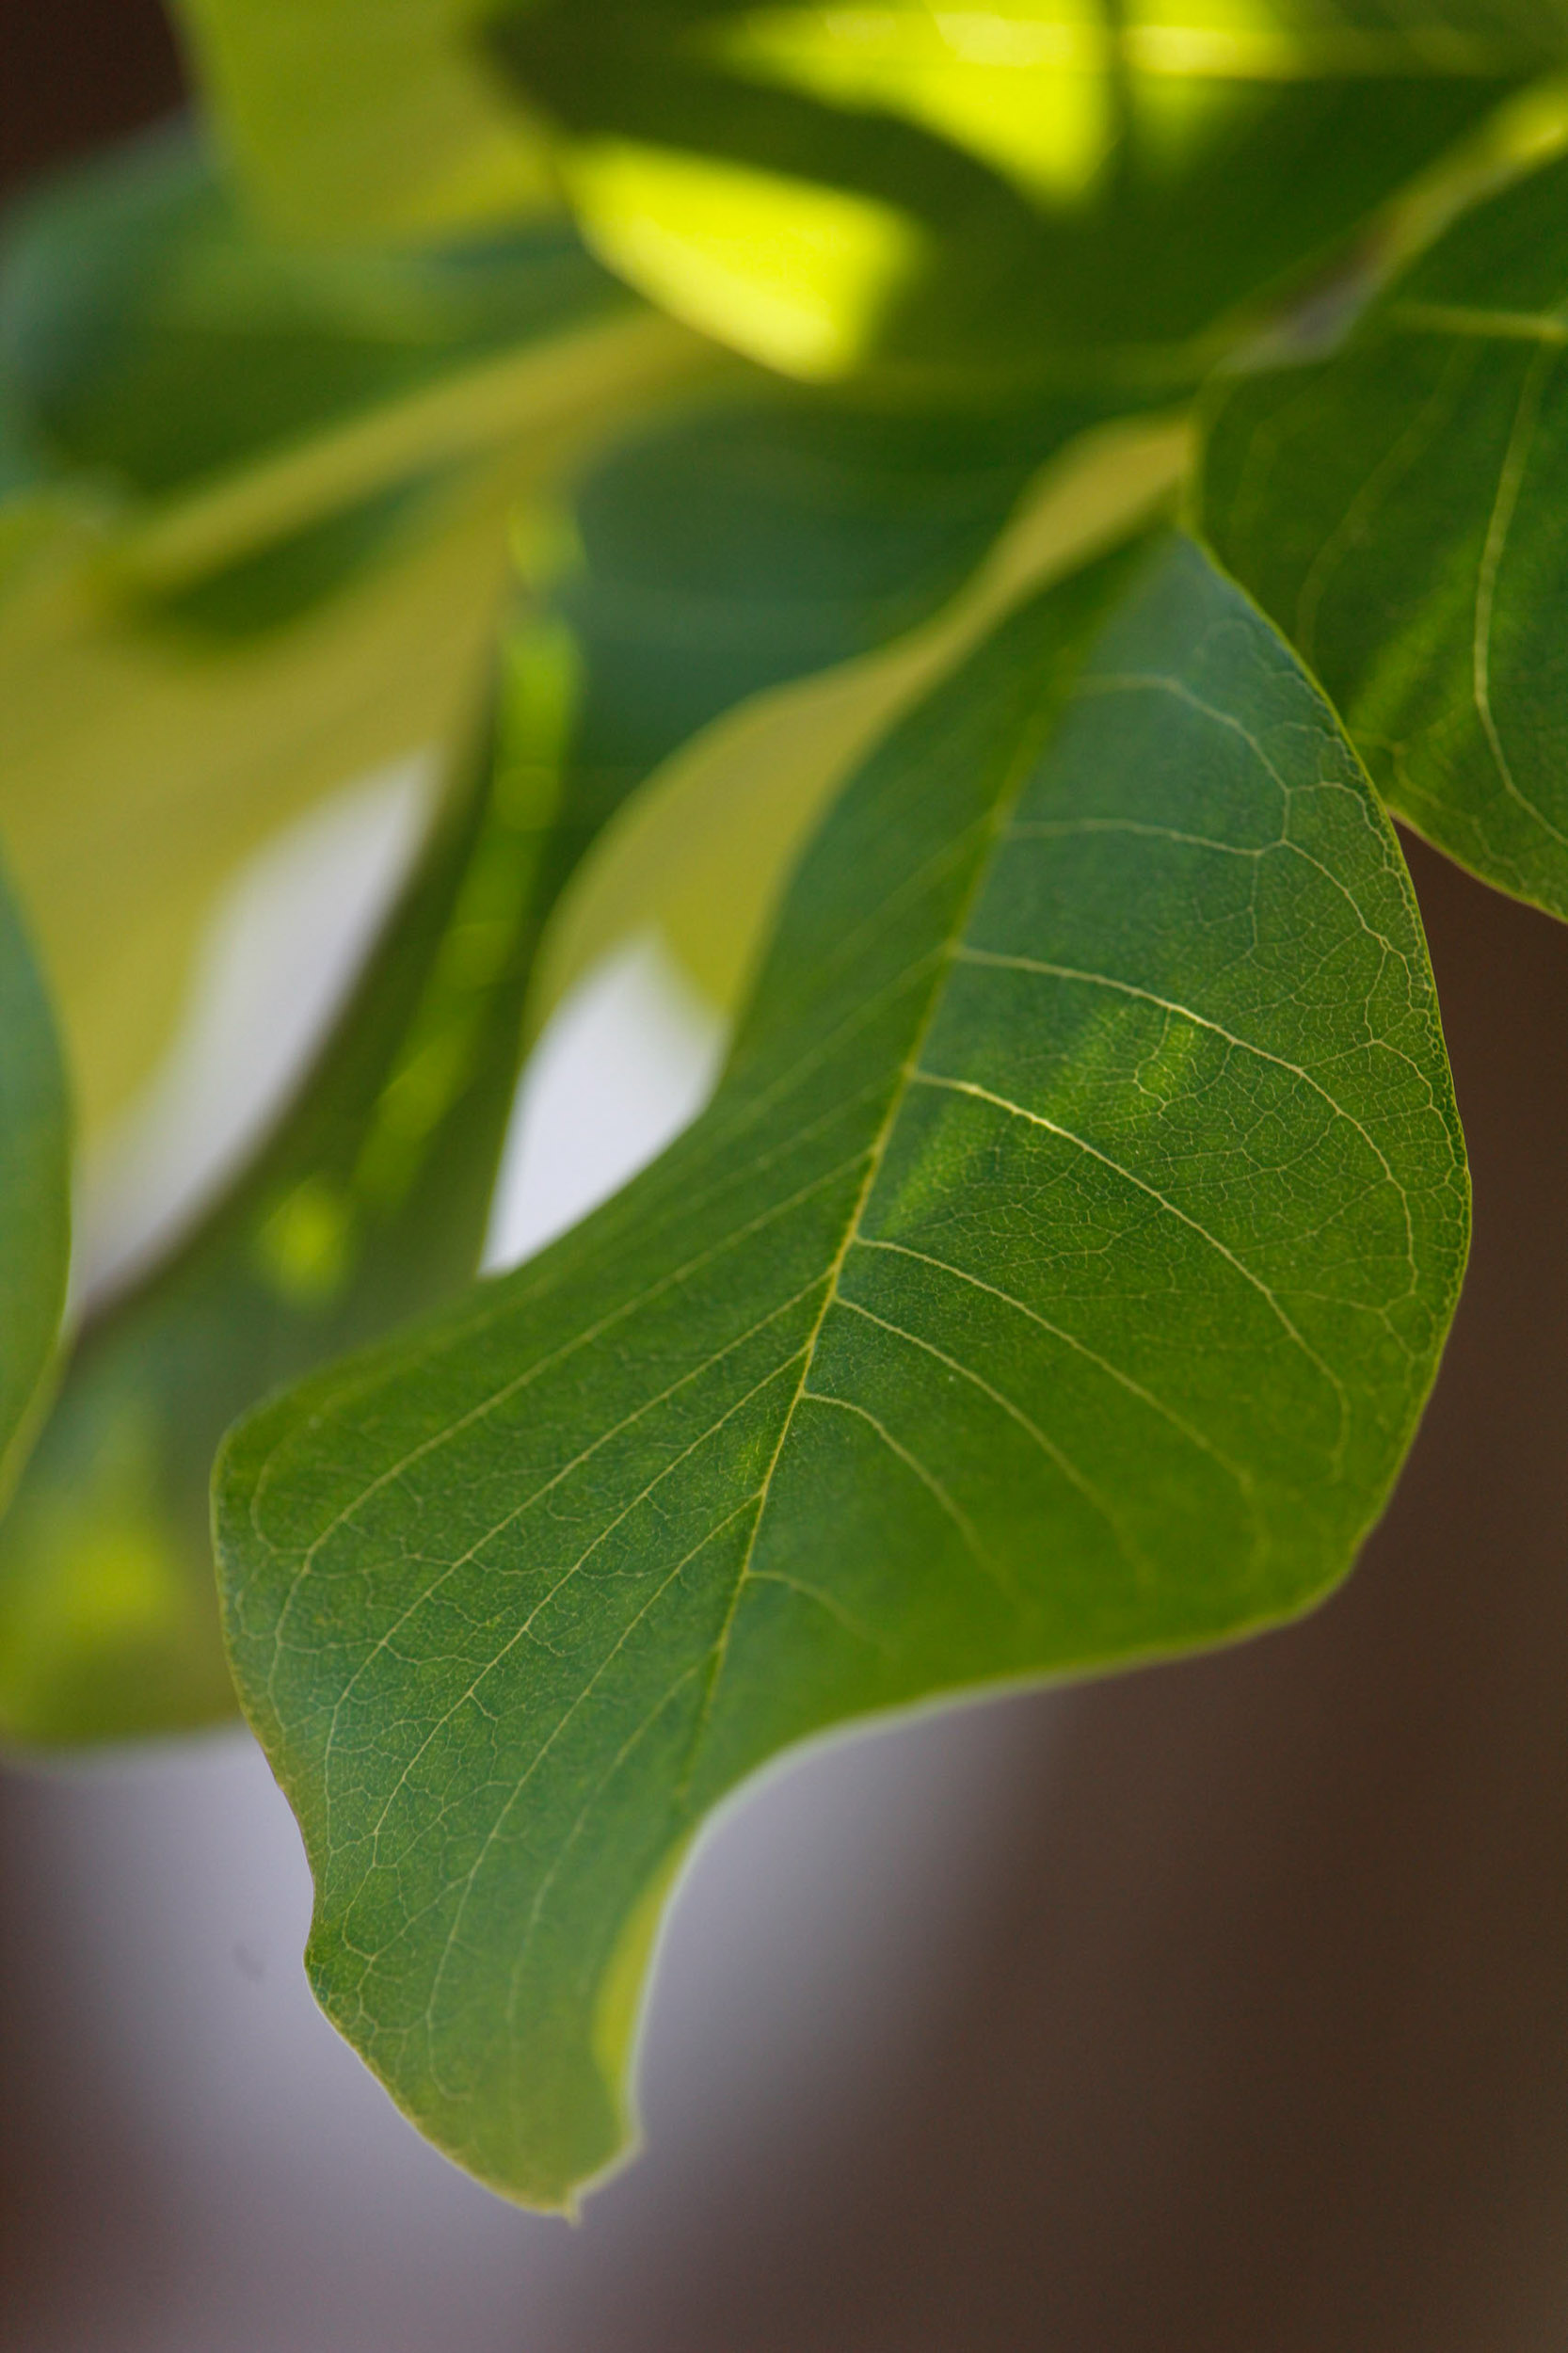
{"x":1051,"y":704}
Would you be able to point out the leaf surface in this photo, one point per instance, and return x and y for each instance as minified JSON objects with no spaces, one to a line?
{"x":703,"y":851}
{"x":35,"y":1187}
{"x":1401,"y":511}
{"x":1055,"y":1279}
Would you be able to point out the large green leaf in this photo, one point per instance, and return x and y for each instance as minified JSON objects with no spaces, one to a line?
{"x":369,"y":1203}
{"x":1401,"y":510}
{"x":762,"y":536}
{"x":265,"y":544}
{"x":1055,"y":1279}
{"x":1052,"y":187}
{"x":35,"y":1187}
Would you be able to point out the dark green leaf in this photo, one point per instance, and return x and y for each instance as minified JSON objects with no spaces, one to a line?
{"x":1034,"y":192}
{"x":1401,"y":510}
{"x":35,"y":1188}
{"x":1055,"y":1279}
{"x":759,"y":535}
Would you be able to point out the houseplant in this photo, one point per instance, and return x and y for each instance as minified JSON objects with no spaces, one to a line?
{"x":1137,"y":1073}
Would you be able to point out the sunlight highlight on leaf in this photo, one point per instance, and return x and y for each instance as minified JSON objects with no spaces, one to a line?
{"x":801,"y":276}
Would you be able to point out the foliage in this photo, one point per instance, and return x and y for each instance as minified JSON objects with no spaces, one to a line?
{"x":966,"y":522}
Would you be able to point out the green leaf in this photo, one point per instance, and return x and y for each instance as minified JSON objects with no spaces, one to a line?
{"x":760,"y":534}
{"x":35,"y":1188}
{"x":1055,"y":1279}
{"x":369,"y":1203}
{"x":1039,"y":191}
{"x":265,"y":544}
{"x":351,"y":117}
{"x":1401,"y":510}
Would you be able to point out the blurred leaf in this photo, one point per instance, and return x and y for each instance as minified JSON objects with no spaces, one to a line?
{"x":1033,"y":189}
{"x":277,"y":555}
{"x":1401,"y":510}
{"x":1055,"y":1279}
{"x":356,"y":117}
{"x":35,"y":1188}
{"x":369,"y":1201}
{"x":151,"y":332}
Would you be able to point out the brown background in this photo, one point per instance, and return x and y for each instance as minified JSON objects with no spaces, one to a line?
{"x":1259,"y":2043}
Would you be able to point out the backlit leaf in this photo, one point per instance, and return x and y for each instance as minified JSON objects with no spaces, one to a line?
{"x":1055,"y":1279}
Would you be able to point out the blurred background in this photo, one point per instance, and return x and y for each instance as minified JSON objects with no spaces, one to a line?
{"x":1216,"y":2009}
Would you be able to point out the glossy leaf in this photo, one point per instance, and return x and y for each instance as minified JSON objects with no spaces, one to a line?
{"x":1401,"y":510}
{"x":266,"y":547}
{"x":1055,"y":1279}
{"x":1038,"y":191}
{"x":369,"y":1203}
{"x":35,"y":1188}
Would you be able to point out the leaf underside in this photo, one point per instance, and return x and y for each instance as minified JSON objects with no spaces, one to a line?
{"x":1055,"y":1279}
{"x":1401,"y":511}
